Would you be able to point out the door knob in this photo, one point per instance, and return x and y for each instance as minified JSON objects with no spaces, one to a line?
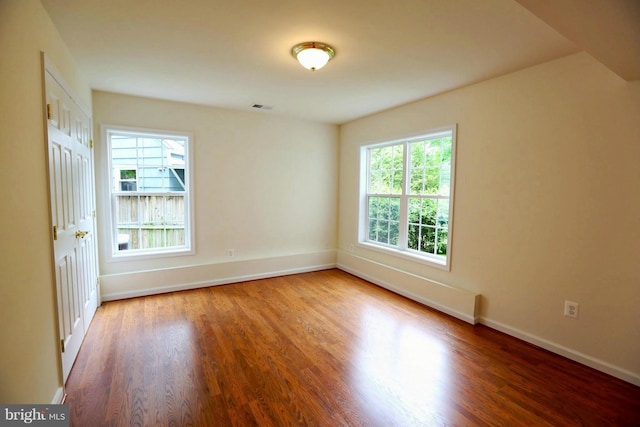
{"x":81,"y":234}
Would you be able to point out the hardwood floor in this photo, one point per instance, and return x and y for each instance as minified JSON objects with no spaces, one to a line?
{"x":323,"y":349}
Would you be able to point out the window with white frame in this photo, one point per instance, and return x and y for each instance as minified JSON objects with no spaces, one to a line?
{"x":407,"y":196}
{"x":150,"y":191}
{"x":126,"y":178}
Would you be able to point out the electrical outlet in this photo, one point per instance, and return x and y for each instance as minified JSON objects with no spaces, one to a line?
{"x":230,"y":253}
{"x":571,"y":309}
{"x":351,"y":247}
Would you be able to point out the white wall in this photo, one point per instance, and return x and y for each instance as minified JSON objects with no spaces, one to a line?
{"x":29,"y":367}
{"x":264,"y":186}
{"x":547,"y":205}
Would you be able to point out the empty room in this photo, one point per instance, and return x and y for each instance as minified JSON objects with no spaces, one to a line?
{"x":421,"y":212}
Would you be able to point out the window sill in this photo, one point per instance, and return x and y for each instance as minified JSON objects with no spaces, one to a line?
{"x":441,"y":264}
{"x":144,"y":255}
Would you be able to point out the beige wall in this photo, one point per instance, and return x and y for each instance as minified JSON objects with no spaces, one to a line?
{"x":547,"y":204}
{"x":29,"y":370}
{"x":264,"y":186}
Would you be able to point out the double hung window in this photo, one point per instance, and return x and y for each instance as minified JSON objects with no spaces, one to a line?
{"x":150,"y":191}
{"x":407,"y":200}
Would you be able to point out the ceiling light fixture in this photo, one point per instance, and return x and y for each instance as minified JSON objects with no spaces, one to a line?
{"x":313,"y":55}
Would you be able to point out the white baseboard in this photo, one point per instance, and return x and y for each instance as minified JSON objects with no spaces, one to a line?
{"x":571,"y":354}
{"x":456,"y":302}
{"x":137,"y":284}
{"x":58,"y":396}
{"x":429,"y":303}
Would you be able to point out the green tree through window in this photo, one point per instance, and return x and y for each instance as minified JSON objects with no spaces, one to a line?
{"x":408,"y":195}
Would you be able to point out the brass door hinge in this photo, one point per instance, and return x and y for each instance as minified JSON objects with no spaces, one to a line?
{"x":48,"y":111}
{"x":91,"y":143}
{"x":93,"y":214}
{"x":62,"y":345}
{"x":55,"y":232}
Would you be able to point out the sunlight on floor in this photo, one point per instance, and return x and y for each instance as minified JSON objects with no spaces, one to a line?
{"x":399,"y":368}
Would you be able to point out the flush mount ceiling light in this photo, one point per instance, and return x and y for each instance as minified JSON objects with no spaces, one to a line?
{"x":313,"y":55}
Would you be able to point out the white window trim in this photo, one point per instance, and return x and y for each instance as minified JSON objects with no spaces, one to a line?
{"x":362,"y":242}
{"x":110,"y":239}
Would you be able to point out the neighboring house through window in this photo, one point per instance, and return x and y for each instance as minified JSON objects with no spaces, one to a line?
{"x":150,"y":192}
{"x":407,"y":196}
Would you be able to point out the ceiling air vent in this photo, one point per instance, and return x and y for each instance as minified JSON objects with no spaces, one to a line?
{"x":262,"y":107}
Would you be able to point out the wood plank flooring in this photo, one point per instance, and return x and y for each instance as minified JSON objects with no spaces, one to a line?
{"x":323,"y":349}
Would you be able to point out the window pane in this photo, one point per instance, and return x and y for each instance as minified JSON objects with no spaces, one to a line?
{"x":154,"y":169}
{"x":383,"y":231}
{"x":427,"y":239}
{"x":422,"y":211}
{"x":431,"y":180}
{"x":385,"y":170}
{"x":374,"y":155}
{"x":445,"y":180}
{"x":446,"y":144}
{"x":128,"y":186}
{"x":373,"y":235}
{"x":375,"y":182}
{"x":162,"y":221}
{"x":416,"y":181}
{"x":156,"y":163}
{"x":417,"y":155}
{"x":415,"y":209}
{"x":174,"y":211}
{"x":431,"y":166}
{"x":127,"y":221}
{"x":396,"y":186}
{"x":429,"y":212}
{"x":127,"y":174}
{"x":127,"y":239}
{"x":432,"y":152}
{"x":442,"y":242}
{"x":394,"y":233}
{"x":383,"y":205}
{"x":386,"y":181}
{"x":387,"y":208}
{"x":384,"y":216}
{"x":398,"y":156}
{"x":423,"y":221}
{"x":443,"y":213}
{"x":373,"y":207}
{"x":414,"y":236}
{"x":394,"y":209}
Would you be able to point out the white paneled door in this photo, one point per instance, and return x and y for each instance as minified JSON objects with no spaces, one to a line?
{"x":72,"y":215}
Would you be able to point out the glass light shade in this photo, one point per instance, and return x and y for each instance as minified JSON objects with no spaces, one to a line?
{"x":313,"y":55}
{"x":313,"y":59}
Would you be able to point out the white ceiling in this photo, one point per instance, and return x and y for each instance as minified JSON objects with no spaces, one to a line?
{"x":233,"y":54}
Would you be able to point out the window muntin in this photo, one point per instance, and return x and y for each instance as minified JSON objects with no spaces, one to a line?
{"x":407,"y":199}
{"x":150,"y":195}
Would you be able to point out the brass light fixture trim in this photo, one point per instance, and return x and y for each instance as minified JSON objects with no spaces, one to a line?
{"x":329,"y":52}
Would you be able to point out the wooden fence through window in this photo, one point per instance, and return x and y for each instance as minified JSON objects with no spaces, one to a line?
{"x":150,"y":221}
